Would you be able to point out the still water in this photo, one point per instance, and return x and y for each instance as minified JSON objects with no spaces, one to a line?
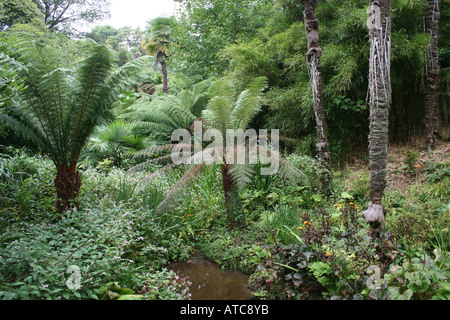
{"x":209,"y":282}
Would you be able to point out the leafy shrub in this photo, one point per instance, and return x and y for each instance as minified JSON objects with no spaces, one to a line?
{"x":26,"y":186}
{"x":330,"y":260}
{"x":110,"y":237}
{"x":234,"y":249}
{"x":420,"y":277}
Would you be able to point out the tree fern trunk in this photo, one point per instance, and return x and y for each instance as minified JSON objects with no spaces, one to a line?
{"x":68,"y":184}
{"x":380,"y":100}
{"x":432,"y":72}
{"x":314,"y":54}
{"x":232,"y":200}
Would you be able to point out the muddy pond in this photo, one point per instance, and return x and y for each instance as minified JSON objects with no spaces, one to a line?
{"x":210,"y":282}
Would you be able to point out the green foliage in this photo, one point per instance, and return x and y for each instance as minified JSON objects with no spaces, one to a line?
{"x":60,"y":107}
{"x":114,"y":140}
{"x":19,"y":12}
{"x":61,"y":15}
{"x":164,"y":114}
{"x":204,"y":28}
{"x":109,"y":240}
{"x":411,"y":162}
{"x":419,"y":277}
{"x":125,"y":42}
{"x":26,"y":186}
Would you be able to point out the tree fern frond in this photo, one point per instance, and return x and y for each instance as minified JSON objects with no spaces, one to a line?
{"x":127,"y":74}
{"x":149,"y":127}
{"x":28,"y":129}
{"x":187,"y":178}
{"x":201,"y":87}
{"x":218,"y":113}
{"x":89,"y":104}
{"x":222,"y":88}
{"x":242,"y":174}
{"x":159,"y":149}
{"x":246,"y":107}
{"x":257,"y":85}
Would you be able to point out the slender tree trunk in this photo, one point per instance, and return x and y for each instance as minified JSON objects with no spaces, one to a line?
{"x":68,"y":184}
{"x":314,"y":53}
{"x":379,"y":102}
{"x":432,"y":72}
{"x":164,"y":73}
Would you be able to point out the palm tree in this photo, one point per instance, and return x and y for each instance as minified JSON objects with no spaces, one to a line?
{"x":115,"y":140}
{"x":227,"y":109}
{"x":314,"y":53}
{"x":432,"y":71}
{"x":156,"y":43}
{"x":60,"y":107}
{"x":379,"y":101}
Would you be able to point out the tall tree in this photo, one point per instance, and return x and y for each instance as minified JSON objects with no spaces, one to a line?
{"x":205,"y":27}
{"x":62,"y":14}
{"x":379,"y":101}
{"x":157,"y":42}
{"x":15,"y":12}
{"x":313,"y":55}
{"x":60,"y":107}
{"x":431,"y":19}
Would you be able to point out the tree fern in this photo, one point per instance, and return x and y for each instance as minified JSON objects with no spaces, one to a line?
{"x":60,"y":107}
{"x":226,"y":109}
{"x":164,"y":114}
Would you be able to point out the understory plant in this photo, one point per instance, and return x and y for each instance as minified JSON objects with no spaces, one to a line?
{"x":60,"y":106}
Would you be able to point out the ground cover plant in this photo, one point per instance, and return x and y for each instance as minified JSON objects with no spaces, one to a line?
{"x":93,"y":207}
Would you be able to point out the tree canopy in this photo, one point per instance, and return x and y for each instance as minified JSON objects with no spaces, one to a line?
{"x":69,"y":15}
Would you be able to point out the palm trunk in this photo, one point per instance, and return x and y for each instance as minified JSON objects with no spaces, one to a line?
{"x":432,"y":72}
{"x":379,"y":102}
{"x":164,"y":73}
{"x":68,"y":184}
{"x":314,"y":54}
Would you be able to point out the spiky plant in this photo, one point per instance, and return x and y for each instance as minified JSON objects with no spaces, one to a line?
{"x":156,"y":43}
{"x":164,"y":114}
{"x":227,"y":109}
{"x":115,"y":140}
{"x":60,"y":107}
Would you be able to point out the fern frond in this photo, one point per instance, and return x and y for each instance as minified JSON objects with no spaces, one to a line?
{"x":222,"y":88}
{"x":257,"y":85}
{"x":246,"y":107}
{"x":187,"y":178}
{"x":149,"y":152}
{"x":218,"y":113}
{"x":242,"y":174}
{"x":147,"y":179}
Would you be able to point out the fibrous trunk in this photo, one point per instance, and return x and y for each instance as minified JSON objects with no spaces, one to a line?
{"x":232,"y":201}
{"x":68,"y":184}
{"x":379,"y":102}
{"x":314,"y":53}
{"x":164,"y":73}
{"x":432,"y":72}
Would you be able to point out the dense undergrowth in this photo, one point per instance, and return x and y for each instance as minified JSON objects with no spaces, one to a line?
{"x":295,"y":242}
